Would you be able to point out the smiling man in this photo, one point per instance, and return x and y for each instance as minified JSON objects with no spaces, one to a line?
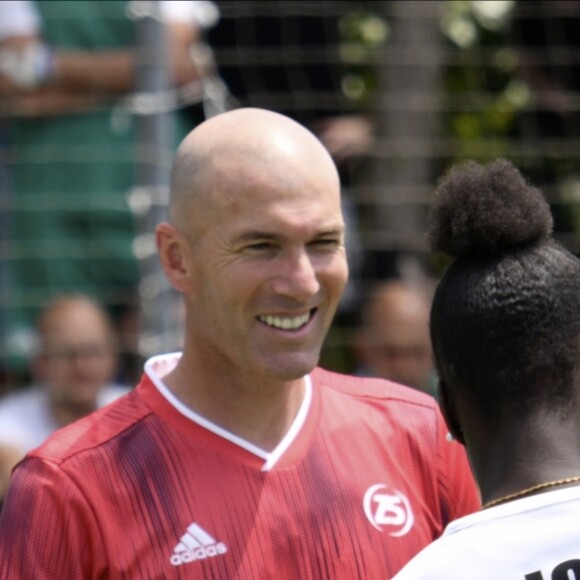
{"x":239,"y":458}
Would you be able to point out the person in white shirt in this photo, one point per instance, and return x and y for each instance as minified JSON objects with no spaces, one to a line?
{"x":505,"y":327}
{"x":73,"y":374}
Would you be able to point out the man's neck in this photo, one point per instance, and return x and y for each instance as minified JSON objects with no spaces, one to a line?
{"x":258,"y":412}
{"x":512,"y":459}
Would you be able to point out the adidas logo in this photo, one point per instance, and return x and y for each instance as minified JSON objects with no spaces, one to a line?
{"x":196,"y":544}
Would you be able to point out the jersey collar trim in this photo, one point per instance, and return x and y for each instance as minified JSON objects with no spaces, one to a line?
{"x":158,"y":366}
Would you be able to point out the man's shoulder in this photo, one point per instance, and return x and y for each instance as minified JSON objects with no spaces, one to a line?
{"x":372,"y":388}
{"x":401,"y":407}
{"x":97,"y":430}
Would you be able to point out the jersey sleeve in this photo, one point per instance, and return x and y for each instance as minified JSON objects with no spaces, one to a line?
{"x":459,"y":494}
{"x":47,"y":530}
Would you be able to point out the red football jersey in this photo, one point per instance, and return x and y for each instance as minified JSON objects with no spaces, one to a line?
{"x":145,"y":488}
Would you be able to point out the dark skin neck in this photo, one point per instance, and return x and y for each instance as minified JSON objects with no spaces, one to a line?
{"x":517,"y":453}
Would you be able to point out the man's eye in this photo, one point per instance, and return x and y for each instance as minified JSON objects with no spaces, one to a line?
{"x":326,"y":243}
{"x":259,"y":246}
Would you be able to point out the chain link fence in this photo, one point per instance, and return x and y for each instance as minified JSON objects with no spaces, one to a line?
{"x":434,"y":81}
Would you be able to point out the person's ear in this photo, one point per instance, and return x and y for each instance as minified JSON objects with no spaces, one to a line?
{"x":360,"y":345}
{"x":38,"y":366}
{"x":447,"y":406}
{"x":173,"y":249}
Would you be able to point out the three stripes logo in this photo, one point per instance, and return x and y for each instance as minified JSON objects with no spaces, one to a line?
{"x":196,"y":544}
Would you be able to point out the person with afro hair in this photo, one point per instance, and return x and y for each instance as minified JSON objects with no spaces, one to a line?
{"x":505,"y":328}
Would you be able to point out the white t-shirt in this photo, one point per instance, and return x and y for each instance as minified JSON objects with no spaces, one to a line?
{"x":26,"y":420}
{"x":533,"y":538}
{"x":18,"y":18}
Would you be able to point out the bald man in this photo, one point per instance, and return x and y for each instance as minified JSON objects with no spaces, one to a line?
{"x":393,"y":340}
{"x":73,"y":374}
{"x":239,"y":458}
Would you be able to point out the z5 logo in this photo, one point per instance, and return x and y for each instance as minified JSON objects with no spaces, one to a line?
{"x":388,"y":508}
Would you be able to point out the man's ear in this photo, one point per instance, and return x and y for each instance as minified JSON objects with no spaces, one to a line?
{"x":447,"y":406}
{"x":360,"y":345}
{"x":173,"y":248}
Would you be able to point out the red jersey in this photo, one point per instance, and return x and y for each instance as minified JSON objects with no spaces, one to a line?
{"x":146,"y":489}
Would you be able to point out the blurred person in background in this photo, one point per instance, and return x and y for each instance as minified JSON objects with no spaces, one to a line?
{"x":392,"y":340}
{"x":505,"y":326}
{"x":288,"y":59}
{"x":73,"y":374}
{"x":66,"y":72}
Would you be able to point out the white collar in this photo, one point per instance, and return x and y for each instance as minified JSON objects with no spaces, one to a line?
{"x":159,"y":366}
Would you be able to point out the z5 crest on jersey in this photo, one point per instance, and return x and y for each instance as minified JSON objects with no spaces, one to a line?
{"x":389,"y":509}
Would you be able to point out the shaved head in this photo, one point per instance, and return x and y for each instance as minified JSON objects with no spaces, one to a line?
{"x":255,"y":244}
{"x":64,"y":308}
{"x":396,"y":301}
{"x":393,"y":341}
{"x":224,"y":151}
{"x":77,"y":353}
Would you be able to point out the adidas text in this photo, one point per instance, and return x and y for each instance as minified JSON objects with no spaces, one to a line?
{"x":198,"y":554}
{"x":196,"y":544}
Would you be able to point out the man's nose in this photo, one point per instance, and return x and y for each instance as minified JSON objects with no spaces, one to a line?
{"x":298,"y":277}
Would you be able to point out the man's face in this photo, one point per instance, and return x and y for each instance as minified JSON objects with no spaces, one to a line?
{"x":396,"y":343}
{"x":269,"y":269}
{"x":404,"y":358}
{"x":77,"y":358}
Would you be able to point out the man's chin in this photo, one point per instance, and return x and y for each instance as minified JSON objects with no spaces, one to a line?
{"x":294,"y":368}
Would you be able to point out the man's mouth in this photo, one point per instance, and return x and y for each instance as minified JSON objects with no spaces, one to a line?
{"x":286,"y":322}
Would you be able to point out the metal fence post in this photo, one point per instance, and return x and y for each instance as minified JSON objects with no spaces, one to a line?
{"x":153,"y":161}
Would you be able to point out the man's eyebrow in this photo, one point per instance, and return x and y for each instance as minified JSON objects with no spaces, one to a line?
{"x":338,"y":229}
{"x":333,"y":231}
{"x":256,"y":235}
{"x":250,"y":235}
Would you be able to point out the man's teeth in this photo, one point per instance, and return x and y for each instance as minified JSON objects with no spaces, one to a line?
{"x":286,"y":323}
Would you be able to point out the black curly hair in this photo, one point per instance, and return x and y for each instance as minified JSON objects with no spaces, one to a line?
{"x":505,"y":320}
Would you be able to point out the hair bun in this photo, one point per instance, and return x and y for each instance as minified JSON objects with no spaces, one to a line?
{"x":483,"y":210}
